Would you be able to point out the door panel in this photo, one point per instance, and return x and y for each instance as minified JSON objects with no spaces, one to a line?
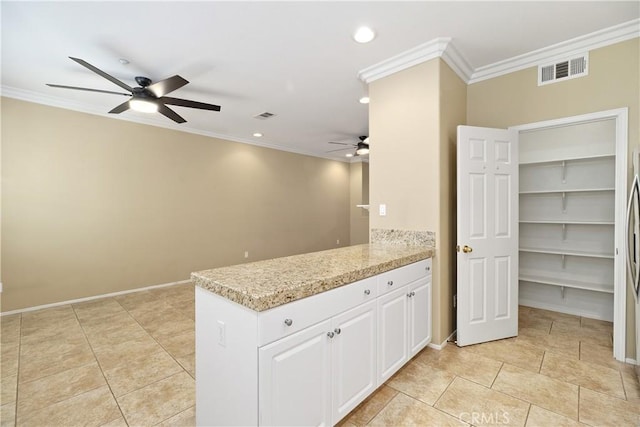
{"x":392,"y":330}
{"x":287,"y":398}
{"x":419,"y":315}
{"x":354,"y":358}
{"x":487,"y":258}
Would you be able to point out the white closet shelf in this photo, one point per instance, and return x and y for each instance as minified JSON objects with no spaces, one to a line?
{"x":569,"y":252}
{"x":570,"y":190}
{"x":526,"y":221}
{"x":565,"y":159}
{"x":606,"y":288}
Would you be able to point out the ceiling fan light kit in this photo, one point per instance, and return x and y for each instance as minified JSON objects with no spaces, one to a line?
{"x":149,"y":97}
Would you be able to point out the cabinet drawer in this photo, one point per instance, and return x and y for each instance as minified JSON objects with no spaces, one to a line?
{"x":289,"y":318}
{"x":395,"y":279}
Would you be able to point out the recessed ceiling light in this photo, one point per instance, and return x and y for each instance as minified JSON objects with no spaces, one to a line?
{"x":257,"y":134}
{"x":123,"y":61}
{"x":364,"y":100}
{"x":348,"y":155}
{"x":364,"y":35}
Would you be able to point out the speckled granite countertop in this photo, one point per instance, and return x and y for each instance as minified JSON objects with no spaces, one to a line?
{"x":266,"y":284}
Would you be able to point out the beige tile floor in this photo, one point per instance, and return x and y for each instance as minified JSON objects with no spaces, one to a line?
{"x":129,"y":360}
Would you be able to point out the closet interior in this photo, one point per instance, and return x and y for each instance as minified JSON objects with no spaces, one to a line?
{"x":567,"y":218}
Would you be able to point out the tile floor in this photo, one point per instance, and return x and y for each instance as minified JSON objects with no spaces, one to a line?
{"x":129,"y":360}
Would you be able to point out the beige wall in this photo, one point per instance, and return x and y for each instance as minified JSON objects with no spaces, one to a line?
{"x":412,"y":116}
{"x":359,"y":195}
{"x":93,"y":205}
{"x":515,"y":99}
{"x":453,"y":103}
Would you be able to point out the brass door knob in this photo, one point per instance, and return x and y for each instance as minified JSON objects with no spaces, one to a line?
{"x":467,"y":249}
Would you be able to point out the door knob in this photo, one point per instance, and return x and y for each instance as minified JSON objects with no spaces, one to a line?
{"x":466,"y":249}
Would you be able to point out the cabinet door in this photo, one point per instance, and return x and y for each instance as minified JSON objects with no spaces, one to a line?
{"x":295,"y":379}
{"x":354,"y":358}
{"x":392,"y":333}
{"x":419,"y":315}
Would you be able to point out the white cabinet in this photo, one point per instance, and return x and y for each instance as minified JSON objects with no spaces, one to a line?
{"x":295,"y":379}
{"x":312,"y":361}
{"x":318,"y":375}
{"x":567,"y":219}
{"x":404,"y":324}
{"x":353,"y":349}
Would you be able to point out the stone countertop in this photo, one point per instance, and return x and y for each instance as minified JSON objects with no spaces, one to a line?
{"x":266,"y":284}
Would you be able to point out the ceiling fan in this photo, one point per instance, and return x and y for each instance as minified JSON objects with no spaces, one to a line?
{"x":149,"y":97}
{"x":362,"y":147}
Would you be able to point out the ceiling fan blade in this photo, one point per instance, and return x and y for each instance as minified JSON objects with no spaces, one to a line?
{"x":168,"y":112}
{"x":165,"y":86}
{"x":339,"y":143}
{"x":102,"y":73}
{"x":88,"y":89}
{"x":339,"y":149}
{"x":120,"y":108}
{"x":191,"y":104}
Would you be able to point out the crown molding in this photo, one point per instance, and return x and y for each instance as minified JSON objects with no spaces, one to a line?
{"x":608,"y":36}
{"x":417,"y":55}
{"x":52,"y":101}
{"x":442,"y":47}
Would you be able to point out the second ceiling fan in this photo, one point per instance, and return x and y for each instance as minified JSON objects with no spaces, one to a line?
{"x":149,"y":97}
{"x":362,"y":147}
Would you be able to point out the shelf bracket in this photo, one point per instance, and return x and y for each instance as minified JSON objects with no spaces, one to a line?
{"x":564,"y":232}
{"x":562,"y":291}
{"x":564,"y":172}
{"x":564,"y":202}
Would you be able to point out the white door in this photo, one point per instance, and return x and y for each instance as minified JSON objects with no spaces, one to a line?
{"x":487,"y":198}
{"x":392,"y":333}
{"x":419,"y":293}
{"x":287,"y":397}
{"x":354,"y":358}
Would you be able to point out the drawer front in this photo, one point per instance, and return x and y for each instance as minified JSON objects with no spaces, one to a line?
{"x":289,"y":318}
{"x":395,"y":279}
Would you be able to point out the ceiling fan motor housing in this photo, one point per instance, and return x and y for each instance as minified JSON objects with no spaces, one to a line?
{"x":143,"y":81}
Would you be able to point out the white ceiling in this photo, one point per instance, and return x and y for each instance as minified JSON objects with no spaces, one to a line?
{"x":294,"y":59}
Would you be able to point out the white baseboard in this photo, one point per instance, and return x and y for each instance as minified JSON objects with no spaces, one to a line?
{"x":631,"y":361}
{"x":443,"y":344}
{"x":85,"y":299}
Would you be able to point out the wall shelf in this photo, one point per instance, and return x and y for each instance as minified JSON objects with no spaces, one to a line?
{"x":569,"y":190}
{"x":568,"y":283}
{"x":566,"y":159}
{"x":567,"y":252}
{"x":567,"y":222}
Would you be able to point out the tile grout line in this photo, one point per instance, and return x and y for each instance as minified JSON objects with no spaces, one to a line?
{"x":15,"y":416}
{"x":99,"y":365}
{"x":445,"y":390}
{"x":528,"y":412}
{"x":496,"y":377}
{"x":158,"y":342}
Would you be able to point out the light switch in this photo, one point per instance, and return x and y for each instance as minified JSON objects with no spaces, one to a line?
{"x":383,"y":210}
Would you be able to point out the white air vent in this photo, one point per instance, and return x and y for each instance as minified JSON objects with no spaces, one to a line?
{"x":264,"y":116}
{"x":564,"y":69}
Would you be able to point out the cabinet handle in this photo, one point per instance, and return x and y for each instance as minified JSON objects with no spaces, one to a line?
{"x":390,"y":283}
{"x":411,"y":294}
{"x":330,"y":334}
{"x":288,"y":322}
{"x":428,"y":268}
{"x":337,"y":331}
{"x":367,"y":292}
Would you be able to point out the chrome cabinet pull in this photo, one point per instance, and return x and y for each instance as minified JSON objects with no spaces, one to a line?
{"x":337,"y":331}
{"x":390,"y":283}
{"x":367,"y":292}
{"x":330,"y":334}
{"x":288,"y":322}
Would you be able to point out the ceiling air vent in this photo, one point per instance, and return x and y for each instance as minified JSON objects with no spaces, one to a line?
{"x":565,"y":69}
{"x":264,"y":116}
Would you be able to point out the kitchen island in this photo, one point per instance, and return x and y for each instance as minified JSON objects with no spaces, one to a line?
{"x":304,"y":339}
